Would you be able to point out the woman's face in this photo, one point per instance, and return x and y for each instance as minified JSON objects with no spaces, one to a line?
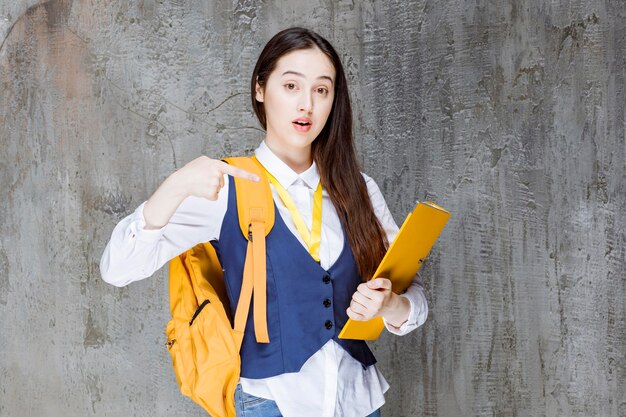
{"x":301,"y":86}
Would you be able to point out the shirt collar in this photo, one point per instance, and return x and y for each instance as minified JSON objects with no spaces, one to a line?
{"x":282,"y":172}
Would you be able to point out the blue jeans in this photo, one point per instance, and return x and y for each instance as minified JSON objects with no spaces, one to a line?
{"x":248,"y":405}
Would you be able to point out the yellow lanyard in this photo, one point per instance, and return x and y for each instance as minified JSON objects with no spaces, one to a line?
{"x":311,"y":239}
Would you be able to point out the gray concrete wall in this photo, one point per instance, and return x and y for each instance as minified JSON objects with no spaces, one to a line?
{"x":512,"y":116}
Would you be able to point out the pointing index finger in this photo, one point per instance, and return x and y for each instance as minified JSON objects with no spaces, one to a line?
{"x":238,"y":172}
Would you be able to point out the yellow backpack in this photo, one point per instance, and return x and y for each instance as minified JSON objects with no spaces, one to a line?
{"x":203,"y":345}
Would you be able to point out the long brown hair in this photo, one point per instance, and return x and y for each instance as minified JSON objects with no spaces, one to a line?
{"x":333,"y":150}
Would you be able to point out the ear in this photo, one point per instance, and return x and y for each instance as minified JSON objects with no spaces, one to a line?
{"x":259,"y":92}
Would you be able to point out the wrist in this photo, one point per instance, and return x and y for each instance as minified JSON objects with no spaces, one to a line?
{"x":163,"y":203}
{"x":398,"y":312}
{"x":174,"y":187}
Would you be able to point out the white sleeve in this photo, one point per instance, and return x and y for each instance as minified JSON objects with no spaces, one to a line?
{"x":415,"y":292}
{"x":135,"y":253}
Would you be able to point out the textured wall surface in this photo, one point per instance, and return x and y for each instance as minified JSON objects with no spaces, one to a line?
{"x":509,"y":114}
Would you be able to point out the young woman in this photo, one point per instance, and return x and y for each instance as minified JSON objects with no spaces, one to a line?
{"x":300,"y":96}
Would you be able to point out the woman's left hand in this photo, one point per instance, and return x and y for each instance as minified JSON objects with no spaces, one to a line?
{"x":375,"y":298}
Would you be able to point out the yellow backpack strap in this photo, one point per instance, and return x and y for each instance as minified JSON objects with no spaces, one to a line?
{"x":255,"y":207}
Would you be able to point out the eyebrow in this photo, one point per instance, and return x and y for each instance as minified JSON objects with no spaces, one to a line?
{"x":302,"y":75}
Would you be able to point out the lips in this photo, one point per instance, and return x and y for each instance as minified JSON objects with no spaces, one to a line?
{"x":303,"y":121}
{"x":302,"y":124}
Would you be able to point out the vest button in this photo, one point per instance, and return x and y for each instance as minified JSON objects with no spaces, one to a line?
{"x":327,"y":303}
{"x":329,"y":324}
{"x":326,"y":279}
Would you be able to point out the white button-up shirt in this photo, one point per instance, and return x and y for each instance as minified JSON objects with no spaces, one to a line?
{"x":331,"y":382}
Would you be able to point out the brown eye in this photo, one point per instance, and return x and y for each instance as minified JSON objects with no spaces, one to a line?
{"x":287,"y":85}
{"x":323,"y":90}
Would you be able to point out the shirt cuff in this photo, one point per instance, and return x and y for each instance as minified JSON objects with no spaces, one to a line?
{"x":408,"y":325}
{"x":136,"y":229}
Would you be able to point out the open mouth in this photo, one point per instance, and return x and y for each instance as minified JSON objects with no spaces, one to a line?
{"x":301,"y":126}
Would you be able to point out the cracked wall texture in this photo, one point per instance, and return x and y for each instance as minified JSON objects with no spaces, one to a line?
{"x":509,"y":114}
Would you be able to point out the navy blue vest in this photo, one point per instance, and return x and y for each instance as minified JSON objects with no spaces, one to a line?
{"x":306,"y":305}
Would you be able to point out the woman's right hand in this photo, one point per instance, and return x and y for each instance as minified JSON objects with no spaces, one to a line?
{"x":202,"y":177}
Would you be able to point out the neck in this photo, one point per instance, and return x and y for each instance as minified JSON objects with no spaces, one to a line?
{"x":297,"y":159}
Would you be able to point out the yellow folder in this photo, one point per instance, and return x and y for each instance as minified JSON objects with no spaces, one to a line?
{"x":403,"y":259}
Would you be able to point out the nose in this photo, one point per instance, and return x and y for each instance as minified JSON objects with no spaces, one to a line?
{"x":306,"y":102}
